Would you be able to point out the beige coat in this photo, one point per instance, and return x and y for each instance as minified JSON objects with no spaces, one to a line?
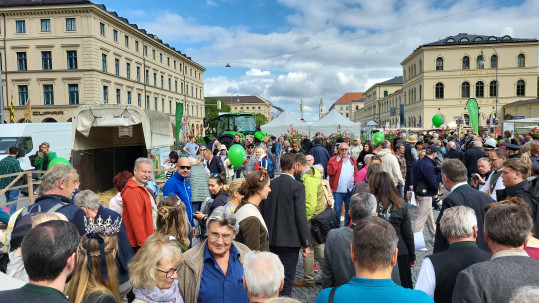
{"x":190,"y":272}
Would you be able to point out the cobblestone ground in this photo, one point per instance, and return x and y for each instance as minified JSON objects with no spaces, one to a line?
{"x":308,"y":294}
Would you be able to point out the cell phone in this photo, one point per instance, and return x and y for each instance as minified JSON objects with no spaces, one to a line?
{"x":248,"y":157}
{"x":40,"y":150}
{"x":475,"y":177}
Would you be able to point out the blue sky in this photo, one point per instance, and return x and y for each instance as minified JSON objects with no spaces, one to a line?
{"x":292,"y":50}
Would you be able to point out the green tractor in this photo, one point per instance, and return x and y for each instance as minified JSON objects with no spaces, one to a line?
{"x":227,"y":125}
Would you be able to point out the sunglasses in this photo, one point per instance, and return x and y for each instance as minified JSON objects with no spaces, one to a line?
{"x":185,"y":167}
{"x":214,"y":175}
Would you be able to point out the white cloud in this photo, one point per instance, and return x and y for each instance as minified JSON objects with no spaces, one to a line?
{"x":211,"y":3}
{"x":255,"y":72}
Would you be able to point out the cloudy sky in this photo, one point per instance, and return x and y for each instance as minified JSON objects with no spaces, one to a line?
{"x":288,"y":50}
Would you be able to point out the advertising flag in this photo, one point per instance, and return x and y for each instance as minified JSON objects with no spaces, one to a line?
{"x":473,"y":112}
{"x":179,"y":114}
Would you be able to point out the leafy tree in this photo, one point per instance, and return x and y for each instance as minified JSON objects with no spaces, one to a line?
{"x":210,"y":106}
{"x":260,"y":119}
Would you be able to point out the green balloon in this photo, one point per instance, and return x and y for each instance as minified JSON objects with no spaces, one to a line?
{"x":59,"y":160}
{"x":236,"y":155}
{"x":437,"y":120}
{"x":378,"y":137}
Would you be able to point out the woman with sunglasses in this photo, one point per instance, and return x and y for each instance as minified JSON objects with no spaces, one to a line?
{"x":153,"y":271}
{"x":252,"y":228}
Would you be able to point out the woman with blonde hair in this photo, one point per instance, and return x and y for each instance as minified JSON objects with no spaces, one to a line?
{"x":172,"y":221}
{"x":95,"y":278}
{"x":234,"y":195}
{"x":153,"y":271}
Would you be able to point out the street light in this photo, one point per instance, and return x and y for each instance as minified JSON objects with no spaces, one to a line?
{"x":483,"y":63}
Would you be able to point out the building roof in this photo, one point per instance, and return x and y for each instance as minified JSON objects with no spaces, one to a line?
{"x":471,"y":39}
{"x":393,"y":81}
{"x":522,"y":102}
{"x":349,"y":97}
{"x":231,"y":100}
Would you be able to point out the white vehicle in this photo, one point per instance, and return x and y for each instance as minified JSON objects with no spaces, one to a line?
{"x":28,"y":136}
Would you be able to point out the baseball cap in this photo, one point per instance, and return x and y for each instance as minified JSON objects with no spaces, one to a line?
{"x":432,"y":149}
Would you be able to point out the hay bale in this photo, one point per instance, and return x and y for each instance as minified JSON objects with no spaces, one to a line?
{"x":104,"y":197}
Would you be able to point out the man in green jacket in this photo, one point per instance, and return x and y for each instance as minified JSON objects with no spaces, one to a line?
{"x":44,"y":157}
{"x":315,"y":204}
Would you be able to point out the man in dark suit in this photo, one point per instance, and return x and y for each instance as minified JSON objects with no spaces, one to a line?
{"x":454,"y":178}
{"x":471,"y":156}
{"x":284,"y":212}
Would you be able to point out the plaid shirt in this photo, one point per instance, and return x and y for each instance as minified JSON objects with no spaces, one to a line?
{"x":402,"y":164}
{"x":8,"y":165}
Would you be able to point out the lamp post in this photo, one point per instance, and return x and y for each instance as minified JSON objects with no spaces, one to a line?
{"x":495,"y":122}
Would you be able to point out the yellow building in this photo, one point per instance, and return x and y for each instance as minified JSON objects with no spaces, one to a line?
{"x":62,"y":54}
{"x":373,"y":107}
{"x":522,"y":109}
{"x":248,"y":104}
{"x":348,"y":105}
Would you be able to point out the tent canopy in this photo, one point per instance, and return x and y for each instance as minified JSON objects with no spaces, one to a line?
{"x":283,"y":124}
{"x":333,"y":123}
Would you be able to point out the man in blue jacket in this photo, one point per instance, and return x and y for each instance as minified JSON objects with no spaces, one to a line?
{"x":320,"y":154}
{"x":179,"y":185}
{"x":425,"y":186}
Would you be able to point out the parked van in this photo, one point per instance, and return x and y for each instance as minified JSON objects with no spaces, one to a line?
{"x":28,"y":136}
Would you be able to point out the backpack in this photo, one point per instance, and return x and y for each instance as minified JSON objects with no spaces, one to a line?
{"x":271,"y":173}
{"x":322,"y":223}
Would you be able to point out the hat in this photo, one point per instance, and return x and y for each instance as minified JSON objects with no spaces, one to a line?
{"x":222,"y":147}
{"x":250,"y":144}
{"x":411,"y":139}
{"x":512,"y":146}
{"x":432,"y":149}
{"x":490,"y":143}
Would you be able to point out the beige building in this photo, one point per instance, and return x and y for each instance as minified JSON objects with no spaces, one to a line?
{"x":247,"y":104}
{"x":374,"y":107}
{"x":522,"y":109}
{"x":348,"y":105}
{"x":440,"y":77}
{"x":63,"y":55}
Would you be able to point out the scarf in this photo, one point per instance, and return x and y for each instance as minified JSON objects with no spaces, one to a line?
{"x":156,"y":295}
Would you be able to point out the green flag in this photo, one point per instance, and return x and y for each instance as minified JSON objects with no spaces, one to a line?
{"x":473,"y":112}
{"x":179,"y":114}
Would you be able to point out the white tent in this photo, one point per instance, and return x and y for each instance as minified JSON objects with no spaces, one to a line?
{"x":284,"y":124}
{"x":333,"y":123}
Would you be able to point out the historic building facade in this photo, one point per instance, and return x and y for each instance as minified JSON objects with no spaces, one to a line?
{"x":374,"y":108}
{"x":248,"y":104}
{"x":348,"y":105}
{"x":60,"y":56}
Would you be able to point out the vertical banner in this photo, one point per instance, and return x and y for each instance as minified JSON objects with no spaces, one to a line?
{"x":11,"y":112}
{"x":473,"y":112}
{"x":28,"y":110}
{"x":179,"y":114}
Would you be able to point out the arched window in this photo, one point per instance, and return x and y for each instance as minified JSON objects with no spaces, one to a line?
{"x":385,"y":93}
{"x":465,"y":90}
{"x":521,"y":88}
{"x":494,"y":61}
{"x":439,"y":90}
{"x":479,"y":89}
{"x":465,"y":62}
{"x":439,"y":63}
{"x":521,"y":60}
{"x":480,"y":62}
{"x":493,"y":88}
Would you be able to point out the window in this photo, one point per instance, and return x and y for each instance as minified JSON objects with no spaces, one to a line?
{"x":153,"y":54}
{"x":23,"y":94}
{"x":439,"y":90}
{"x":46,"y":60}
{"x":162,"y":81}
{"x":465,"y":89}
{"x":102,"y":29}
{"x":494,"y":61}
{"x":115,"y":35}
{"x":163,"y":105}
{"x":479,"y":89}
{"x":117,"y":67}
{"x":480,"y":62}
{"x":104,"y":62}
{"x":20,"y":26}
{"x":136,"y":46}
{"x":493,"y":88}
{"x":71,"y":59}
{"x":465,"y":62}
{"x":155,"y":104}
{"x":385,"y":93}
{"x":170,"y":106}
{"x":521,"y":88}
{"x":147,"y":77}
{"x":48,"y":95}
{"x":147,"y":102}
{"x":145,"y":50}
{"x":521,"y":60}
{"x":169,"y":84}
{"x":174,"y":64}
{"x":168,"y":61}
{"x":118,"y":96}
{"x":126,"y":41}
{"x":45,"y":25}
{"x":128,"y":70}
{"x":176,"y":85}
{"x":161,"y":57}
{"x":139,"y":100}
{"x":73,"y":90}
{"x":21,"y":61}
{"x":128,"y":97}
{"x":439,"y":63}
{"x":154,"y":79}
{"x":105,"y":94}
{"x":71,"y":24}
{"x":138,"y":73}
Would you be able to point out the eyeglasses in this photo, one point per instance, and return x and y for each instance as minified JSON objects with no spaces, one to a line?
{"x":214,"y":175}
{"x":215,"y":236}
{"x":492,"y":160}
{"x":169,"y":273}
{"x":343,"y":148}
{"x":185,"y":167}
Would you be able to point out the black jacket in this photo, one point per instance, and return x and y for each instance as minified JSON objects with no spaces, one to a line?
{"x":453,"y":154}
{"x":470,"y":159}
{"x":467,"y":196}
{"x":400,"y":219}
{"x":285,"y":213}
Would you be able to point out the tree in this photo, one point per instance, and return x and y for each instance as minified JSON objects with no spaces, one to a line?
{"x":210,"y":106}
{"x":260,"y":119}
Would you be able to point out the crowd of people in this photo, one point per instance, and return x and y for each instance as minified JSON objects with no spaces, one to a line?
{"x":220,"y":233}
